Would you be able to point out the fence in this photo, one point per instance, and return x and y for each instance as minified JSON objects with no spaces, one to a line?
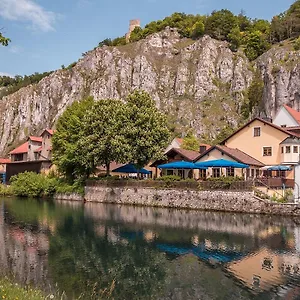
{"x":185,"y":185}
{"x":275,"y":182}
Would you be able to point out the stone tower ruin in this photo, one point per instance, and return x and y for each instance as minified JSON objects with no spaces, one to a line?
{"x":132,"y":24}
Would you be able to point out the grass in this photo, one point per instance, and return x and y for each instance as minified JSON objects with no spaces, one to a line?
{"x":12,"y":291}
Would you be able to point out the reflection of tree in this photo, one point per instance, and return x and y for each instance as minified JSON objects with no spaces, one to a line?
{"x":80,"y":261}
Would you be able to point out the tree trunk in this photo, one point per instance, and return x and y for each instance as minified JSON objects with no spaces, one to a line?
{"x":107,"y":169}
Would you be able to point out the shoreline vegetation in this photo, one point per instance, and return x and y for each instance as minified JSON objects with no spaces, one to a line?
{"x":14,"y":291}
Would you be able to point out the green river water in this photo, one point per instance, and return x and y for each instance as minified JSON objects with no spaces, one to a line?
{"x":97,"y":251}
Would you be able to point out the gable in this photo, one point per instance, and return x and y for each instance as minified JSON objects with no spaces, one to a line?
{"x":284,"y":118}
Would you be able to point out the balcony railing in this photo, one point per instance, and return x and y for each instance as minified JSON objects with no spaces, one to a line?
{"x":275,"y":182}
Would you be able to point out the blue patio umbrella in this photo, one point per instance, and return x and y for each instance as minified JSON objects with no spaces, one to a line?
{"x":222,"y":163}
{"x":182,"y":165}
{"x":131,"y":169}
{"x":279,"y":168}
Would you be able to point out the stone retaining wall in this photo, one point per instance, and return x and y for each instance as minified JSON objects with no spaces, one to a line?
{"x":69,"y":197}
{"x":228,"y":201}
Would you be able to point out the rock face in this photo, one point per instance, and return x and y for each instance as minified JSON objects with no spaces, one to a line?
{"x":199,"y":84}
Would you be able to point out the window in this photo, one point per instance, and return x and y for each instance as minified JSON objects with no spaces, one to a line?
{"x":283,"y":126}
{"x":282,"y":149}
{"x":19,"y":157}
{"x":295,"y":149}
{"x":202,"y":174}
{"x":256,"y":131}
{"x":181,"y":173}
{"x":252,"y":173}
{"x":202,"y":149}
{"x":267,"y":151}
{"x":257,"y":172}
{"x":288,"y":149}
{"x":216,"y":172}
{"x":169,"y":172}
{"x":230,"y":172}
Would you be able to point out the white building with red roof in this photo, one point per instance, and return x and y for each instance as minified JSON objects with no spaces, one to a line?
{"x":34,"y":149}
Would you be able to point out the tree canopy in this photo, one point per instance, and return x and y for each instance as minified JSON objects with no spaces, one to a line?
{"x":67,"y":152}
{"x":91,"y":133}
{"x":190,"y":142}
{"x":254,"y":36}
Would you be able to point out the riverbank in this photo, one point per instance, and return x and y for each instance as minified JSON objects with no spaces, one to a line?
{"x":240,"y":201}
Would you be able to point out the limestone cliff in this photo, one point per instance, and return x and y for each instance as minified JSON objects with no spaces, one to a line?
{"x":199,"y":84}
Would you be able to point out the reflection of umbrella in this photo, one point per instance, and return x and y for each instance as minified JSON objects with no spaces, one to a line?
{"x":130,"y":168}
{"x":222,"y":163}
{"x":279,"y":168}
{"x":182,"y":165}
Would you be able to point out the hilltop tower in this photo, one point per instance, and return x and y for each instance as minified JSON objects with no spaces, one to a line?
{"x":132,"y":24}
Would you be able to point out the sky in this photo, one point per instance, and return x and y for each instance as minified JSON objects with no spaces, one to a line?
{"x":46,"y":34}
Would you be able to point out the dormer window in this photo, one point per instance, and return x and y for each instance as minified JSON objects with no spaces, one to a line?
{"x":256,"y":131}
{"x":295,"y":149}
{"x":283,"y":126}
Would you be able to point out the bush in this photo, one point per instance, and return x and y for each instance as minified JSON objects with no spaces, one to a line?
{"x":223,"y":182}
{"x":297,"y":44}
{"x":5,"y":190}
{"x":169,"y":178}
{"x":30,"y":184}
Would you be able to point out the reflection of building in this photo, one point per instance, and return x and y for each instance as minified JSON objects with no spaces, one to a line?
{"x":265,"y":269}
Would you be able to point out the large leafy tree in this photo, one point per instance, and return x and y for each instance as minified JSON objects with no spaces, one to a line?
{"x":148,"y":133}
{"x":105,"y":133}
{"x":220,"y":23}
{"x":68,"y":154}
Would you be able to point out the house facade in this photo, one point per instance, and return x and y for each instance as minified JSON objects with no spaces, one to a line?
{"x":236,"y":155}
{"x":268,"y":143}
{"x":34,"y":149}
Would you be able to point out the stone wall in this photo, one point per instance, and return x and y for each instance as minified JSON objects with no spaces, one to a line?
{"x":69,"y":197}
{"x":227,"y":201}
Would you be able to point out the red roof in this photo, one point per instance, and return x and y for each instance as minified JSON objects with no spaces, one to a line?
{"x":4,"y":161}
{"x":36,"y":139}
{"x":294,"y":113}
{"x":50,"y":131}
{"x":21,"y":149}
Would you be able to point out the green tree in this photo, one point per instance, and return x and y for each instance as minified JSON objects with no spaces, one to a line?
{"x":3,"y":40}
{"x":235,"y":38}
{"x":190,"y":142}
{"x":220,"y":23}
{"x":255,"y":44}
{"x":68,"y":153}
{"x":105,"y":133}
{"x":148,"y":133}
{"x":197,"y":30}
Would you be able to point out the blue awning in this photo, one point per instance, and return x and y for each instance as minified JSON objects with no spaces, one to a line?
{"x":222,"y":163}
{"x":131,"y":169}
{"x":181,"y":165}
{"x":279,"y":168}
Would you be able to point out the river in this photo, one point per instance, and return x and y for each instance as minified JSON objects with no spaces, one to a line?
{"x":97,"y":251}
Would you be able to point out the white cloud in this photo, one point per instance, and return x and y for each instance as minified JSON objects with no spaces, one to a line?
{"x":28,"y":11}
{"x":6,"y":74}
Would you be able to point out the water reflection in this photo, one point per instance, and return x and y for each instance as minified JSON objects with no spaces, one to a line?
{"x":144,"y":253}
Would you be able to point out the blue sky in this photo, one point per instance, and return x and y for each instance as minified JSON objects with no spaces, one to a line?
{"x":48,"y":33}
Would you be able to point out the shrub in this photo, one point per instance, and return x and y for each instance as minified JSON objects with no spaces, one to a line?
{"x":28,"y":184}
{"x":34,"y":185}
{"x":297,"y":44}
{"x":5,"y":190}
{"x":169,"y":178}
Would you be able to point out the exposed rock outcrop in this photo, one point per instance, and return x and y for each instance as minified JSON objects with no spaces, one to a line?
{"x":199,"y":84}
